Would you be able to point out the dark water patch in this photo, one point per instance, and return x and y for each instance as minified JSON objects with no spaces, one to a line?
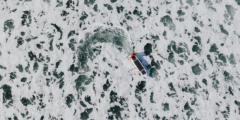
{"x":9,"y":25}
{"x":35,"y":67}
{"x":24,"y":79}
{"x":231,"y":11}
{"x":71,"y":33}
{"x":174,"y":117}
{"x":198,"y":38}
{"x":64,"y":13}
{"x":58,"y":63}
{"x":69,"y":100}
{"x":181,"y":48}
{"x":181,"y":62}
{"x":193,"y":102}
{"x":51,"y":46}
{"x":142,"y":113}
{"x":148,"y":49}
{"x":22,"y":33}
{"x":171,"y":87}
{"x":83,"y":104}
{"x":153,"y":37}
{"x":84,"y":16}
{"x":137,"y":12}
{"x":227,"y":76}
{"x":215,"y":82}
{"x":26,"y":18}
{"x":167,"y":22}
{"x":86,"y":113}
{"x":20,"y":41}
{"x":209,"y":58}
{"x":164,"y":33}
{"x":213,"y":48}
{"x":232,"y":60}
{"x":120,"y":9}
{"x":191,"y":90}
{"x":13,"y":75}
{"x":149,"y":11}
{"x":168,"y":12}
{"x":224,"y":31}
{"x":109,"y":7}
{"x":2,"y":67}
{"x":115,"y":36}
{"x":189,"y":109}
{"x":151,"y":98}
{"x":39,"y":46}
{"x":230,"y":90}
{"x":155,"y":64}
{"x":32,"y":56}
{"x":45,"y":69}
{"x":89,"y":2}
{"x":156,"y":117}
{"x":106,"y":73}
{"x":58,"y":75}
{"x":222,"y":57}
{"x":58,"y":30}
{"x":61,"y":83}
{"x":28,"y":39}
{"x":106,"y":85}
{"x":88,"y":81}
{"x":70,"y":4}
{"x":181,"y":19}
{"x":196,"y":69}
{"x":95,"y":8}
{"x":238,"y":2}
{"x":7,"y":93}
{"x":48,"y":81}
{"x":238,"y":104}
{"x":140,"y":88}
{"x":72,"y":68}
{"x":27,"y":67}
{"x":88,"y":99}
{"x":171,"y":58}
{"x":172,"y":94}
{"x":80,"y":81}
{"x":113,"y":97}
{"x":197,"y":85}
{"x":197,"y":29}
{"x":128,"y":17}
{"x":190,"y":2}
{"x":124,"y":102}
{"x":25,"y":101}
{"x":102,"y":94}
{"x":226,"y":112}
{"x":153,"y":72}
{"x":210,"y":5}
{"x":1,"y":77}
{"x":113,"y":1}
{"x":180,"y":13}
{"x":166,"y":107}
{"x":204,"y":81}
{"x":139,"y":1}
{"x":196,"y":49}
{"x":116,"y":112}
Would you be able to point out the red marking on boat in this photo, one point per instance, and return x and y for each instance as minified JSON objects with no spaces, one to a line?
{"x":131,"y":55}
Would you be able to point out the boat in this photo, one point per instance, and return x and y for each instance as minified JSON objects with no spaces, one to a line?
{"x":137,"y":64}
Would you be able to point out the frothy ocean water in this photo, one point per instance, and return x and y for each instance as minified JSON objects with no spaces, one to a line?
{"x":68,"y":59}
